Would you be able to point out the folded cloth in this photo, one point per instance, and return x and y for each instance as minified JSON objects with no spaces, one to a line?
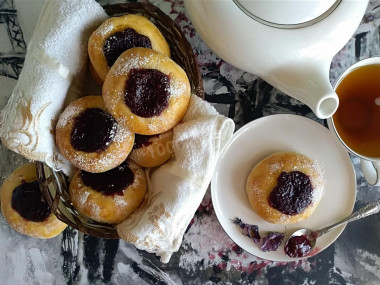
{"x":54,"y":65}
{"x":176,"y":188}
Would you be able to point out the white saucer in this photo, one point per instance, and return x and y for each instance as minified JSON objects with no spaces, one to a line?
{"x":267,"y":135}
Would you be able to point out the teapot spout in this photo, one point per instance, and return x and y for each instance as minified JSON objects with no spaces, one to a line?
{"x":308,"y":82}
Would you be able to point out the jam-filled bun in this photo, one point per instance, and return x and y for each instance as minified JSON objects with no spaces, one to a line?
{"x":90,"y":138}
{"x":24,"y":208}
{"x":109,"y":197}
{"x":146,"y":91}
{"x":151,"y":151}
{"x":118,"y":34}
{"x":285,"y":187}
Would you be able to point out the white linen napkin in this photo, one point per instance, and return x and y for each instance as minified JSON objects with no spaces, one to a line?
{"x":176,"y":188}
{"x":54,"y":67}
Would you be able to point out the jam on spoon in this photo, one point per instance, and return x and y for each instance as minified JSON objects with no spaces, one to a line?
{"x":302,"y":241}
{"x":298,"y":246}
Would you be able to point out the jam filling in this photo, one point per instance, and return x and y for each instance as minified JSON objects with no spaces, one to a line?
{"x":297,"y":246}
{"x":111,"y":182}
{"x":27,"y":200}
{"x":292,"y":194}
{"x":119,"y":42}
{"x":93,"y":130}
{"x":142,"y":140}
{"x":147,"y":92}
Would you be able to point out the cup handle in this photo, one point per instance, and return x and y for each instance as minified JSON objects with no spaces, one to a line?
{"x":371,"y":171}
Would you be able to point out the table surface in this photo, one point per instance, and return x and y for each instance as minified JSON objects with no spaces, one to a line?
{"x":207,"y":254}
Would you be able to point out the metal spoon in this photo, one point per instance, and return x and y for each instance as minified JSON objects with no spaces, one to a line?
{"x":303,"y":241}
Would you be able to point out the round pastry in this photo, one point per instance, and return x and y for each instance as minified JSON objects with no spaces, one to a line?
{"x":109,"y":197}
{"x":146,"y":91}
{"x":23,"y":205}
{"x":119,"y":34}
{"x":90,"y":138}
{"x":151,"y":151}
{"x":285,"y":187}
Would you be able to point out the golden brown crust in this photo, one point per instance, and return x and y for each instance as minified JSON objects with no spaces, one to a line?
{"x":95,"y":75}
{"x":159,"y":150}
{"x":45,"y":229}
{"x":118,"y":24}
{"x":111,"y":209}
{"x":114,"y":86}
{"x":263,"y":178}
{"x":95,"y":162}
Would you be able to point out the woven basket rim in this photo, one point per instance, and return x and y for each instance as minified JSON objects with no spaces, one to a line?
{"x":54,"y":185}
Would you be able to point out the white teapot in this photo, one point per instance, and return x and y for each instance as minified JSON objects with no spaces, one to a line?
{"x":288,"y":43}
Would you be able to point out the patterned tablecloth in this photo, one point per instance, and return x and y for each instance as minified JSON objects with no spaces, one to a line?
{"x":207,"y":254}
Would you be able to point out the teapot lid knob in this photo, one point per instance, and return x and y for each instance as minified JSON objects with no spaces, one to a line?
{"x":287,"y":13}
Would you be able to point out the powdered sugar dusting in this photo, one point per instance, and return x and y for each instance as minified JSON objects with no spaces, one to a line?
{"x":95,"y":209}
{"x":83,"y":198}
{"x":105,"y":29}
{"x":99,"y":160}
{"x":119,"y":201}
{"x":275,"y":167}
{"x":68,"y":114}
{"x":124,"y":64}
{"x":122,"y":134}
{"x":177,"y":87}
{"x":139,"y":174}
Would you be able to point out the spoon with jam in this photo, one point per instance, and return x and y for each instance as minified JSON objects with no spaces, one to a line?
{"x":302,"y":241}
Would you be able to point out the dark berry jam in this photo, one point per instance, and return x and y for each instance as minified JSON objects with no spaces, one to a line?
{"x":147,"y":92}
{"x":111,"y":182}
{"x":27,"y":200}
{"x":142,"y":140}
{"x":119,"y":42}
{"x":292,"y":194}
{"x":297,"y":246}
{"x":93,"y":130}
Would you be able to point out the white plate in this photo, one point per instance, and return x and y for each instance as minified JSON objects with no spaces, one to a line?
{"x":263,"y":137}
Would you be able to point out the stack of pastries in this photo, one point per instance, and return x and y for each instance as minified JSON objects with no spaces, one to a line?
{"x":110,"y":138}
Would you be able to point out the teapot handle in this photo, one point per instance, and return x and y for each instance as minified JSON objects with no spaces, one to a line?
{"x":371,"y":171}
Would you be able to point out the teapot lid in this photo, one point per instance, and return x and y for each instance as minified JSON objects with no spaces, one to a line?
{"x":287,"y":13}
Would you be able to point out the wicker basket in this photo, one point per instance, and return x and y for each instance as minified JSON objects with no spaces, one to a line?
{"x":54,"y":185}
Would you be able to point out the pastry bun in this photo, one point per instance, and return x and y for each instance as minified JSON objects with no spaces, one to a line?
{"x":89,"y":137}
{"x":151,"y":151}
{"x":285,"y":187}
{"x":118,"y":34}
{"x":23,"y":207}
{"x":146,"y":92}
{"x":109,"y":197}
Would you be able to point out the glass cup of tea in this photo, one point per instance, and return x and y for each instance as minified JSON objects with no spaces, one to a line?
{"x":356,"y":122}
